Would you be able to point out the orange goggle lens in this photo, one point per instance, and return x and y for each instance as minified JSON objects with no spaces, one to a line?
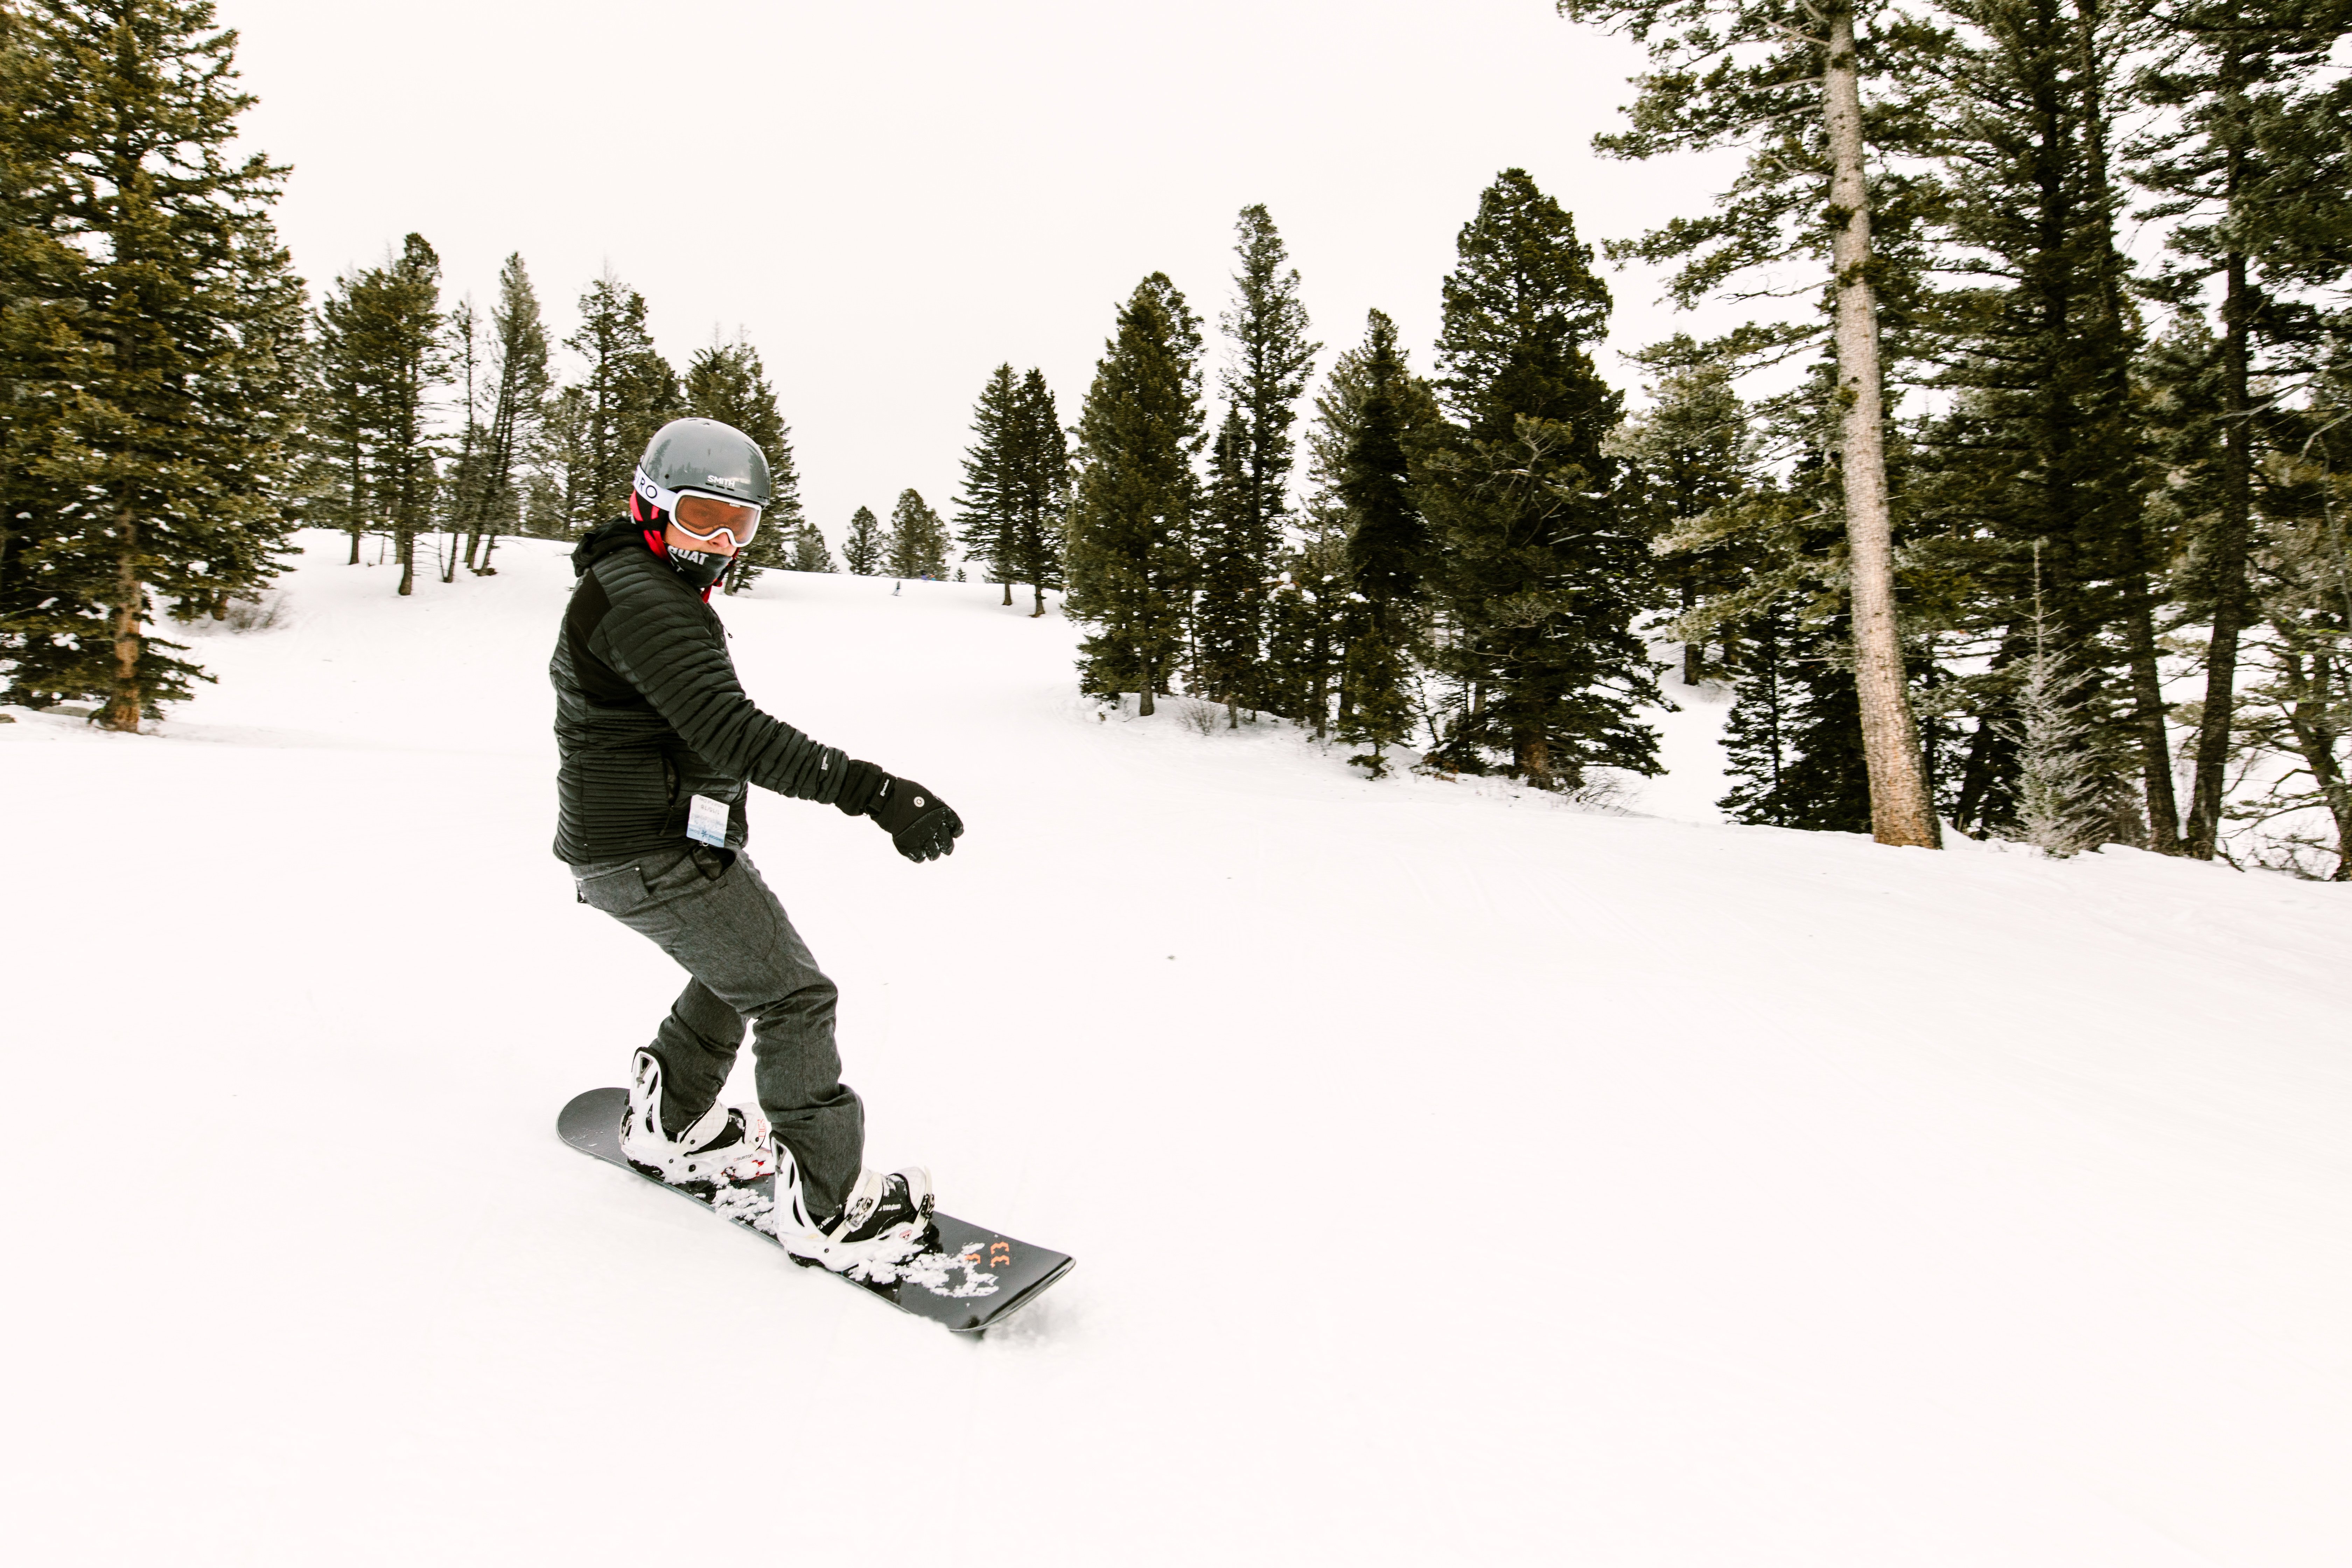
{"x":706,"y":518}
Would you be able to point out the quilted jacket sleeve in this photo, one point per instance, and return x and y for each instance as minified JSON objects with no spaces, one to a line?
{"x":667,"y":645}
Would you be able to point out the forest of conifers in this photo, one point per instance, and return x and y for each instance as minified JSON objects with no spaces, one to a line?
{"x":2012,"y":510}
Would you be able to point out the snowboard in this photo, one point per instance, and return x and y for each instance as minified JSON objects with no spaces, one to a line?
{"x":967,"y":1277}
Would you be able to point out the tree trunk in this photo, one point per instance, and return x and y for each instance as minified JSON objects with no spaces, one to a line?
{"x":355,"y":546}
{"x":1039,"y":590}
{"x":489,"y":542}
{"x":2148,"y":715}
{"x":1901,"y":811}
{"x":1535,"y":761}
{"x":123,"y":706}
{"x":1143,"y":708}
{"x":2227,"y":563}
{"x":1008,"y":593}
{"x":1694,"y":653}
{"x":2311,"y":718}
{"x":408,"y":542}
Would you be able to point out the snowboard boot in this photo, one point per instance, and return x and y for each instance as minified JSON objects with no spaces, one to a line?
{"x":887,"y":1219}
{"x":725,"y":1146}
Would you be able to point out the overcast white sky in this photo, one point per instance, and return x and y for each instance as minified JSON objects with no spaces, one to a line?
{"x":891,"y":199}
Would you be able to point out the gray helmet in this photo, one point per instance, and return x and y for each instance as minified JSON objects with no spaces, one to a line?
{"x":703,"y":456}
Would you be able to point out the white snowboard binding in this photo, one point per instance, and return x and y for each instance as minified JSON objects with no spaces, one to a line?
{"x":886,"y":1221}
{"x":727,"y":1145}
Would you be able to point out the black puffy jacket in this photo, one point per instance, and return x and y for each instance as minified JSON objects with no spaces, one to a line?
{"x":649,"y":711}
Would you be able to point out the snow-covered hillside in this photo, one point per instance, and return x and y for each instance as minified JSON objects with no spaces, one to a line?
{"x":1455,"y":1175}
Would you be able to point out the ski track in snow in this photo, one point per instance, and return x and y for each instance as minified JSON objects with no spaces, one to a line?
{"x":1455,"y":1175}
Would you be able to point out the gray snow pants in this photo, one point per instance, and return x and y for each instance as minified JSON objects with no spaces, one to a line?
{"x":712,"y":912}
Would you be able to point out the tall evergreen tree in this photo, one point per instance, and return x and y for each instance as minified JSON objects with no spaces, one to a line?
{"x":335,"y":480}
{"x":1131,"y":512}
{"x":989,"y":508}
{"x":1785,"y":80}
{"x":1543,"y":575}
{"x":1231,"y":581}
{"x":462,"y":502}
{"x":518,"y":373}
{"x":1685,"y":455}
{"x":726,"y":382}
{"x":862,"y":551}
{"x":2032,"y":484}
{"x":381,"y":327}
{"x":1268,"y":361}
{"x":2292,"y":729}
{"x":563,"y":499}
{"x":1041,"y":490}
{"x":163,"y":301}
{"x":2252,"y":161}
{"x":630,"y":391}
{"x":1391,"y":550}
{"x":809,"y":551}
{"x":1312,"y":605}
{"x":37,"y":264}
{"x":917,"y":545}
{"x":1794,"y":740}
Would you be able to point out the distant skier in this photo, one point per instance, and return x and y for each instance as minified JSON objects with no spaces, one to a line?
{"x":657,"y":742}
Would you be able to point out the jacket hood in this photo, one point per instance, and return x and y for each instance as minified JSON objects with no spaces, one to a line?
{"x":604,"y":540}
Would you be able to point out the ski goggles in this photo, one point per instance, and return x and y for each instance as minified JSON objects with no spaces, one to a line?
{"x":700,"y":516}
{"x":704,"y":518}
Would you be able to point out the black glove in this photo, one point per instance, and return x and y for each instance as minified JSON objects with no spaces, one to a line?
{"x":921,"y":825}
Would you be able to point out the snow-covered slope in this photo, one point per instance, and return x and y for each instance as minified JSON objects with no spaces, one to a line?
{"x":1455,"y":1175}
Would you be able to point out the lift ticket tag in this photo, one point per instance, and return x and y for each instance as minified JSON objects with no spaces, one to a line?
{"x":705,"y":822}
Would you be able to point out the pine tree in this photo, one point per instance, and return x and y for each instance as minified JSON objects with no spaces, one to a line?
{"x":1786,"y":81}
{"x":629,"y":391}
{"x":1267,"y":363}
{"x":1314,"y":598}
{"x":726,"y":382}
{"x":334,"y":479}
{"x":861,"y":552}
{"x":519,"y":370}
{"x":463,"y":487}
{"x":163,"y":299}
{"x":35,"y":265}
{"x":1391,"y":550}
{"x":1794,"y":740}
{"x":2064,"y":803}
{"x":989,"y":508}
{"x":2035,"y":474}
{"x":2253,"y":160}
{"x":563,"y":499}
{"x":917,"y":544}
{"x":1132,"y":513}
{"x":1687,"y":455}
{"x":809,"y":551}
{"x":382,"y":327}
{"x":1041,"y":490}
{"x":1543,"y":577}
{"x":1228,"y":623}
{"x":2292,"y":731}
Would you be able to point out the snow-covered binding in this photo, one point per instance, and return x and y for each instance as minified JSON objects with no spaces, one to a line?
{"x":726,"y":1146}
{"x":886,"y":1220}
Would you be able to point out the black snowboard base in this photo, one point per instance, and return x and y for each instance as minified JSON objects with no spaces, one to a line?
{"x":967,"y":1277}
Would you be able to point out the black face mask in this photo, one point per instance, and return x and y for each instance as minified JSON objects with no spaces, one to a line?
{"x":700,"y":569}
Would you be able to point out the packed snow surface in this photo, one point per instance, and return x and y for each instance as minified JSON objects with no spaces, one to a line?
{"x":1456,"y":1174}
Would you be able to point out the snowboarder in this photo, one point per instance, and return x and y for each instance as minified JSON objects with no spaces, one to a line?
{"x":658,"y":742}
